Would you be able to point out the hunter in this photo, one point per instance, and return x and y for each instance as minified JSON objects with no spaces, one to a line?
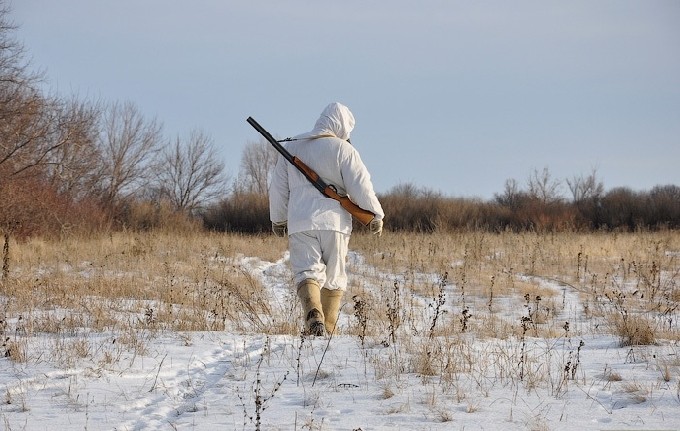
{"x":318,"y":227}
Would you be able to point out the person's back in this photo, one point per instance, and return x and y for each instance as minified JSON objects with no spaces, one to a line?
{"x":337,"y":163}
{"x":318,"y":227}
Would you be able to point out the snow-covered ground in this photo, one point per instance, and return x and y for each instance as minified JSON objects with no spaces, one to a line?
{"x":220,"y":380}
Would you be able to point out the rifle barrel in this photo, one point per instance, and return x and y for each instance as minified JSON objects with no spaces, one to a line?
{"x":271,"y":139}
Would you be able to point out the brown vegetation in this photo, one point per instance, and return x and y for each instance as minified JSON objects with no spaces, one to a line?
{"x":429,"y":294}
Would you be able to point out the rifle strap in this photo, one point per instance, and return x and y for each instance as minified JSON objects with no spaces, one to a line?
{"x":306,"y":137}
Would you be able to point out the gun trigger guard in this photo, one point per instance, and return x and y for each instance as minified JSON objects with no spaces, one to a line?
{"x":333,"y":188}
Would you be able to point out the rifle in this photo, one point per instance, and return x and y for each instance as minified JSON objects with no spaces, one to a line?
{"x":328,"y":190}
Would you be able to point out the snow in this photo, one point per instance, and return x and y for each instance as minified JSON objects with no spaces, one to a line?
{"x":164,"y":380}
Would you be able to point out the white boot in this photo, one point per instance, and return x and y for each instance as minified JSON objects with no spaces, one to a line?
{"x":330,"y":303}
{"x":309,"y":293}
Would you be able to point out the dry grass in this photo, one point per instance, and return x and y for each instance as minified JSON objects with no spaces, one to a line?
{"x":470,"y":304}
{"x":130,"y":285}
{"x":492,"y":275}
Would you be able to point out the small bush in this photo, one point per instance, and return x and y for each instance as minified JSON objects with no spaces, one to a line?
{"x":242,"y":212}
{"x":634,"y":330}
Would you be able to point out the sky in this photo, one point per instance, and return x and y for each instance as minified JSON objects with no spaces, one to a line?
{"x":448,"y":95}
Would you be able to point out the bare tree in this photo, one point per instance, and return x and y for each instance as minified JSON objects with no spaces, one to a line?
{"x":405,"y":191}
{"x":72,"y":168}
{"x":257,"y":163}
{"x":190,"y":173}
{"x":543,"y":187}
{"x":15,"y":75}
{"x":129,"y":145}
{"x":21,"y":121}
{"x":583,"y":188}
{"x":511,"y":196}
{"x":24,"y":113}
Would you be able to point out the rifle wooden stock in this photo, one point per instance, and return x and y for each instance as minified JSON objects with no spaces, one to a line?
{"x":363,"y":216}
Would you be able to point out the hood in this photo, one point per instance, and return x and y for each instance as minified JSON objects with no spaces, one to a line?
{"x":336,"y":119}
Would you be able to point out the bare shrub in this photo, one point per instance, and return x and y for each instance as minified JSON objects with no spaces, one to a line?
{"x":242,"y":212}
{"x":633,"y":330}
{"x":412,"y":208}
{"x":156,"y":215}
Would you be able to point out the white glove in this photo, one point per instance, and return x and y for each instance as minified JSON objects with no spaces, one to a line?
{"x":376,"y":227}
{"x":280,"y":228}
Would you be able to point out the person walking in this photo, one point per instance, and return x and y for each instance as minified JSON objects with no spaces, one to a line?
{"x":318,"y":228}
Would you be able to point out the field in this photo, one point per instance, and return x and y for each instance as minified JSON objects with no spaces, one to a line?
{"x":475,"y":330}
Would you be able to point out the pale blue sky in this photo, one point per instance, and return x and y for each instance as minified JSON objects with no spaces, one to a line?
{"x":455,"y":96}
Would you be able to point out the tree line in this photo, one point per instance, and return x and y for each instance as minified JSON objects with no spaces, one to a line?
{"x":72,"y":165}
{"x":619,"y":209}
{"x":536,"y":206}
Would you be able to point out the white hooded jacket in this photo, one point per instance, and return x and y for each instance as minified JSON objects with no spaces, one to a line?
{"x":293,"y":199}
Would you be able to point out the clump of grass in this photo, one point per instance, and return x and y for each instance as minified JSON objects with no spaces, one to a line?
{"x":636,"y":391}
{"x":387,"y":392}
{"x":613,"y":376}
{"x":633,"y":330}
{"x":15,"y":349}
{"x":423,"y":361}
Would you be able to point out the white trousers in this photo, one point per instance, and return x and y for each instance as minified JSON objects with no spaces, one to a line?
{"x":320,"y":255}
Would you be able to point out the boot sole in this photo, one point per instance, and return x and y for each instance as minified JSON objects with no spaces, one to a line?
{"x":317,"y":329}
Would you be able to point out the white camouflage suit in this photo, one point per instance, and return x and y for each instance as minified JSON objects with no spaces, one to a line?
{"x":318,"y":227}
